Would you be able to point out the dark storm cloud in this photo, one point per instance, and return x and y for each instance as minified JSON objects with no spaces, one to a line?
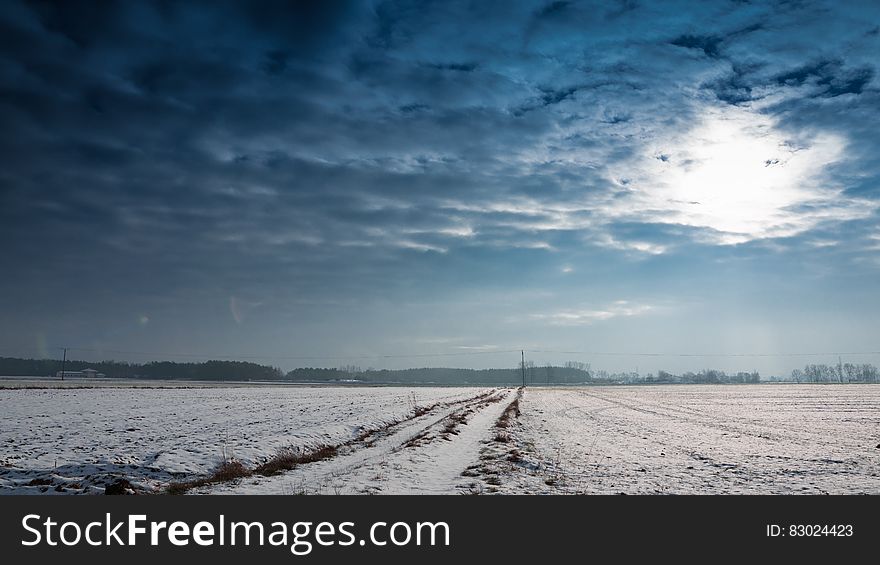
{"x":709,"y":45}
{"x":831,"y":78}
{"x":307,"y":149}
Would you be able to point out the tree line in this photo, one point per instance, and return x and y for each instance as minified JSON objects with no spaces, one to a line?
{"x":571,"y":372}
{"x":840,"y":373}
{"x":434,"y":375}
{"x":208,"y":370}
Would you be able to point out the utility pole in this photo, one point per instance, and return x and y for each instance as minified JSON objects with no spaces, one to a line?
{"x":839,"y":369}
{"x":523,"y":365}
{"x":63,"y":363}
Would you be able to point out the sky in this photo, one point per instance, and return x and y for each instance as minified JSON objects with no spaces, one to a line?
{"x":398,"y":184}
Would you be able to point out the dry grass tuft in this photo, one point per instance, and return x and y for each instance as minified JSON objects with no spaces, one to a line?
{"x":288,"y":459}
{"x":228,"y":471}
{"x":510,"y":413}
{"x":225,"y":471}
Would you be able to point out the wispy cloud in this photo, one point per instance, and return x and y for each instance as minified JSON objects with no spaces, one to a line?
{"x":587,"y":316}
{"x":605,"y":239}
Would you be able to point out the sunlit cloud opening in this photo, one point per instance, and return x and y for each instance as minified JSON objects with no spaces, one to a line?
{"x":740,"y":177}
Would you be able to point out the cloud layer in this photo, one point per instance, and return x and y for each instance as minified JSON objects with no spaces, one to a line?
{"x":265,"y":162}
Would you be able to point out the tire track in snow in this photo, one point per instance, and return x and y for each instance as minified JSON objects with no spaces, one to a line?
{"x":415,"y":456}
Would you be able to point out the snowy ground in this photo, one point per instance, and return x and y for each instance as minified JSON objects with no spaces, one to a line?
{"x":423,"y":455}
{"x":635,"y":440}
{"x":79,"y":440}
{"x":764,"y":439}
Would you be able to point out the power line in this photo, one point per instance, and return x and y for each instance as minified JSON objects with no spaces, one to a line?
{"x":658,"y":354}
{"x":291,"y":357}
{"x":460,"y":354}
{"x":63,"y":363}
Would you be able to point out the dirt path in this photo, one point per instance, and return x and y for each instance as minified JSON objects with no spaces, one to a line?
{"x":424,"y":455}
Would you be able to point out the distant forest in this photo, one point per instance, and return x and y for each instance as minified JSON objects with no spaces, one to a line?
{"x":207,"y":371}
{"x":569,"y":373}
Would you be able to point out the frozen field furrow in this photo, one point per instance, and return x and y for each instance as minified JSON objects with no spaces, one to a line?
{"x":78,"y":440}
{"x":778,"y":439}
{"x":696,"y":439}
{"x":422,"y":456}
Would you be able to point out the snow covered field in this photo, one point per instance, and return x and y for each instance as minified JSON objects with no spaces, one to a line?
{"x":636,"y":440}
{"x":80,"y":439}
{"x":768,"y":439}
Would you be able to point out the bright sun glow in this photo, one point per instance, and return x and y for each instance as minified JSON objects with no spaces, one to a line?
{"x":738,"y":175}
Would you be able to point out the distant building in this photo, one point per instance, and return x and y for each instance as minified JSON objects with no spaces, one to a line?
{"x":84,"y":374}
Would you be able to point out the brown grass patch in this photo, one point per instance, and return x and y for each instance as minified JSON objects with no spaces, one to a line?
{"x":454,"y":421}
{"x":510,"y":413}
{"x":288,"y":459}
{"x":224,"y":472}
{"x":419,"y":439}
